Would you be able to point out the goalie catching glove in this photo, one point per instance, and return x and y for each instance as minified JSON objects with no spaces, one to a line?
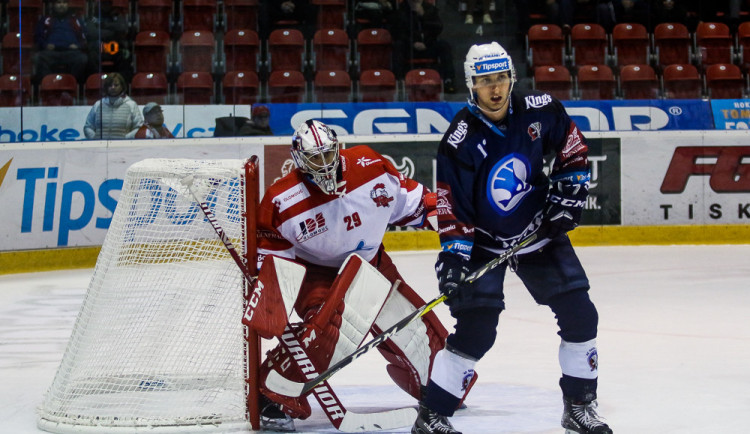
{"x":565,"y":203}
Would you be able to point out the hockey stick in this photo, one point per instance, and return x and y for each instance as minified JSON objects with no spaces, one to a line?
{"x":279,"y":384}
{"x":339,"y":416}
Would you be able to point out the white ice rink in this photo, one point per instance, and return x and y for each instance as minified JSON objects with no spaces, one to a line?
{"x":674,"y":346}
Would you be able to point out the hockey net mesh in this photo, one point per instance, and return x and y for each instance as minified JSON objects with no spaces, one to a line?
{"x":159,"y":341}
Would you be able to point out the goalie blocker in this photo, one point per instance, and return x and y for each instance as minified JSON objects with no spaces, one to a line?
{"x":339,"y":309}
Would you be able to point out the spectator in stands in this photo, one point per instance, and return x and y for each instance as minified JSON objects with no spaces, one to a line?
{"x":115,"y":115}
{"x":471,"y":5}
{"x":416,"y":30}
{"x":571,"y":12}
{"x":292,"y":14}
{"x":373,"y":14}
{"x":258,"y":124}
{"x":153,"y":124}
{"x":61,"y":42}
{"x":107,"y":33}
{"x":632,"y":11}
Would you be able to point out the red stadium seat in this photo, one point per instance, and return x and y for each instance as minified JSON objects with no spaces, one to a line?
{"x":377,"y":85}
{"x":331,"y":13}
{"x":286,"y":86}
{"x":153,"y":15}
{"x":639,"y":82}
{"x":92,"y":88}
{"x":555,"y":80}
{"x":15,"y":91}
{"x":545,"y":45}
{"x":631,"y":44}
{"x":743,"y":39}
{"x":241,"y":14}
{"x":16,"y":52}
{"x":330,"y":50}
{"x":58,"y":90}
{"x":241,"y":50}
{"x":423,"y":85}
{"x":148,"y":87}
{"x":152,"y":51}
{"x":30,"y":12}
{"x":724,"y":81}
{"x":195,"y":88}
{"x":198,"y":15}
{"x":589,"y":44}
{"x":672,"y":44}
{"x":596,"y":82}
{"x":682,"y":82}
{"x":240,"y":87}
{"x":714,"y":43}
{"x":286,"y":50}
{"x":332,"y":86}
{"x":197,"y":50}
{"x":374,"y":49}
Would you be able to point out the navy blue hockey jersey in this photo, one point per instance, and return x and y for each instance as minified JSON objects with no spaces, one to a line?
{"x":492,"y":179}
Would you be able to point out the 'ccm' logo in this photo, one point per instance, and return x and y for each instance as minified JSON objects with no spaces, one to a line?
{"x":724,"y":164}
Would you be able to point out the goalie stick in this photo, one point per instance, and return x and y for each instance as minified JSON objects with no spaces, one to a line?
{"x":340,"y":417}
{"x":277,"y":383}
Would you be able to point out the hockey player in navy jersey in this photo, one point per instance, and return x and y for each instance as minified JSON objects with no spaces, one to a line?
{"x":512,"y":163}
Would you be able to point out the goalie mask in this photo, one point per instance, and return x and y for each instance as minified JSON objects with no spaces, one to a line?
{"x":315,"y":150}
{"x":487,"y":59}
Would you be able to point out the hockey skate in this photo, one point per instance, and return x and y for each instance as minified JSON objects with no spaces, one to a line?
{"x":272,"y":418}
{"x":581,"y":418}
{"x":429,"y":422}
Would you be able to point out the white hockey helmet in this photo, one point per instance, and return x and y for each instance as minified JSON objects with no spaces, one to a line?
{"x":485,"y":59}
{"x":315,"y":150}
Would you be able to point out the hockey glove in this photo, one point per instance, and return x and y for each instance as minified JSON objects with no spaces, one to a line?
{"x":564,"y":206}
{"x":451,"y":271}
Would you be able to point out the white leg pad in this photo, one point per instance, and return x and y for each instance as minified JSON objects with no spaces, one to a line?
{"x":452,"y":372}
{"x":579,"y":359}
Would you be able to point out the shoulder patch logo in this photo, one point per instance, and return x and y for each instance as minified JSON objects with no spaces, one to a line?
{"x":380,"y":196}
{"x":508,"y":183}
{"x":537,"y":101}
{"x":535,"y":130}
{"x":459,"y":134}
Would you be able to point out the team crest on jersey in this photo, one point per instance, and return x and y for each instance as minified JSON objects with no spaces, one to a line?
{"x":508,"y":183}
{"x":535,"y":130}
{"x":459,"y":134}
{"x":311,"y":227}
{"x":380,"y":195}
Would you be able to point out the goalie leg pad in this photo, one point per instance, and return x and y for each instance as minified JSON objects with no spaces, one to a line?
{"x":280,"y":360}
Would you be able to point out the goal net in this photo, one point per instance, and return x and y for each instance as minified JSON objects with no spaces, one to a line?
{"x":159,"y":342}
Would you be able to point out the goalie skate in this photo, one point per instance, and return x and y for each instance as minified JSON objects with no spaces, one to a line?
{"x":272,"y":418}
{"x":582,"y":418}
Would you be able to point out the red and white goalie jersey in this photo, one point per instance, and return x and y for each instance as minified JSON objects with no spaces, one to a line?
{"x":298,"y":221}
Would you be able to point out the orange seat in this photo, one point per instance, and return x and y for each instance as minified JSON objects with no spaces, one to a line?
{"x":150,"y":86}
{"x":743,"y":40}
{"x":331,"y":13}
{"x":377,"y":85}
{"x":555,"y":80}
{"x":682,"y":82}
{"x":16,"y":51}
{"x":596,"y":82}
{"x":241,"y":14}
{"x":589,"y":44}
{"x":195,"y":88}
{"x":546,"y":45}
{"x":15,"y":91}
{"x":240,"y":87}
{"x":152,"y":50}
{"x":332,"y":86}
{"x":197,"y":49}
{"x":724,"y":81}
{"x":58,"y":90}
{"x":23,"y":15}
{"x":714,"y":43}
{"x":287,"y":86}
{"x":672,"y":43}
{"x":423,"y":85}
{"x":286,"y":50}
{"x":92,"y":88}
{"x":374,"y":49}
{"x":198,"y":15}
{"x":631,"y":44}
{"x":330,"y":50}
{"x":153,"y":15}
{"x":639,"y":82}
{"x":241,"y":50}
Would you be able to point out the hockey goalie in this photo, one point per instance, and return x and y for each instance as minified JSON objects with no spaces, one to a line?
{"x":333,"y":209}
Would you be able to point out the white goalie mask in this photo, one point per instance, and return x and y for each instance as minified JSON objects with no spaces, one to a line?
{"x":315,"y":150}
{"x":486,"y":59}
